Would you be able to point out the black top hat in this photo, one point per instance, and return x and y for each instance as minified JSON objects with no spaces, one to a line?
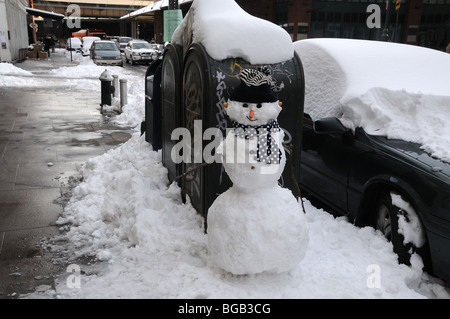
{"x":255,"y":87}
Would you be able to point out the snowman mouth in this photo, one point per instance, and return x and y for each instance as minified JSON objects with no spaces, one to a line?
{"x":251,"y":119}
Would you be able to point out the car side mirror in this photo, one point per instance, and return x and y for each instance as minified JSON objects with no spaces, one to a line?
{"x":329,"y":125}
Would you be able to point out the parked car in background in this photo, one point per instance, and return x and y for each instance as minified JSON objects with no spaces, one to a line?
{"x":140,"y":51}
{"x":115,"y":39}
{"x":87,"y":42}
{"x":372,"y":148}
{"x":123,"y":41}
{"x":106,"y":52}
{"x":74,"y":44}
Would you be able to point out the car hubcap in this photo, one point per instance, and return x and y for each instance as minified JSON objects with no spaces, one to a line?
{"x":384,"y":221}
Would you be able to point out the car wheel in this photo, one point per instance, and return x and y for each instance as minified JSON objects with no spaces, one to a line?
{"x":387,"y":221}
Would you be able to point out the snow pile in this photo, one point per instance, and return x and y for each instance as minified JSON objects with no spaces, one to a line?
{"x":227,"y":31}
{"x":409,"y":224}
{"x":10,"y":69}
{"x":126,"y":214}
{"x":395,"y":90}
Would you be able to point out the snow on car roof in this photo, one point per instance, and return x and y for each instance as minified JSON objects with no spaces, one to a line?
{"x":227,"y":31}
{"x":395,"y":90}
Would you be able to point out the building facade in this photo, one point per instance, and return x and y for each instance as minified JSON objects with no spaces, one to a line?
{"x":418,"y":22}
{"x":13,"y":29}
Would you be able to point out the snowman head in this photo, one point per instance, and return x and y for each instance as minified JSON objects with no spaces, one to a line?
{"x":253,"y":101}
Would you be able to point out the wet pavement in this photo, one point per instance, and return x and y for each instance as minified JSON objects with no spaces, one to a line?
{"x":46,"y":134}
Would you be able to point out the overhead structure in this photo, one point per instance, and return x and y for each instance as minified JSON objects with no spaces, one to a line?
{"x":45,"y":14}
{"x":150,"y":9}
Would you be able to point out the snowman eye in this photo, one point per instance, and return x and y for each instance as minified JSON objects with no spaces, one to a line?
{"x":258,"y":105}
{"x":245,"y":105}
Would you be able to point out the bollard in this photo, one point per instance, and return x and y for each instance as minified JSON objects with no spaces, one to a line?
{"x":107,"y":89}
{"x":116,"y":85}
{"x":123,"y":93}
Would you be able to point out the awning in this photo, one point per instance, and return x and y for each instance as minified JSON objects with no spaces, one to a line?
{"x":45,"y":14}
{"x":158,"y":5}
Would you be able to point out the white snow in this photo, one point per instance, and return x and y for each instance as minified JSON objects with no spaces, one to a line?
{"x":11,"y":69}
{"x":227,"y":31}
{"x":147,"y":243}
{"x":409,"y":224}
{"x":395,"y":90}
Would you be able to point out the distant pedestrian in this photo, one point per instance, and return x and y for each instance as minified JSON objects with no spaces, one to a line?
{"x":47,"y":44}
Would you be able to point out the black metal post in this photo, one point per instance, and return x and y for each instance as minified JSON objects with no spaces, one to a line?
{"x":385,"y":35}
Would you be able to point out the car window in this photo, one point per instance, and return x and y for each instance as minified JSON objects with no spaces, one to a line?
{"x":105,"y":46}
{"x":141,"y":45}
{"x":124,"y":40}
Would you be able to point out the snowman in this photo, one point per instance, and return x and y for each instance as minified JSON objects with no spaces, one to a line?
{"x":255,"y":226}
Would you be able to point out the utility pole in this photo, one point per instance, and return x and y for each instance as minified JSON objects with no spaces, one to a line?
{"x":385,"y":35}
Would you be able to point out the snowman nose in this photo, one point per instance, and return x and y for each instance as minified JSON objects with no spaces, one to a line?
{"x":252,"y":113}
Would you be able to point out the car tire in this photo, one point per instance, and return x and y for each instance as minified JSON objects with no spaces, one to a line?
{"x":387,"y":221}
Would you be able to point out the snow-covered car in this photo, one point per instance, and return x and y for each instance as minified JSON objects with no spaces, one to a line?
{"x":74,"y":44}
{"x":106,"y":52}
{"x":140,"y":51}
{"x":375,"y":141}
{"x":123,"y":41}
{"x":87,"y":43}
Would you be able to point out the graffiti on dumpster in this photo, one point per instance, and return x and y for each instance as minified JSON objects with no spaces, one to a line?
{"x":193,"y":103}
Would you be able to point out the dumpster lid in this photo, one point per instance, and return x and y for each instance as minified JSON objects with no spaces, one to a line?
{"x":106,"y":76}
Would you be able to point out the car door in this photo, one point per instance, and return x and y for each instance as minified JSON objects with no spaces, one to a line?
{"x":326,"y":157}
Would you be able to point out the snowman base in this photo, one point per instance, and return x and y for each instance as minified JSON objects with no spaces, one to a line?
{"x":259,"y":231}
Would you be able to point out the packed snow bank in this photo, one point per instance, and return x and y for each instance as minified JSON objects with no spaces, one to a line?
{"x":10,"y":69}
{"x":227,"y":31}
{"x":395,"y":90}
{"x":127,"y":214}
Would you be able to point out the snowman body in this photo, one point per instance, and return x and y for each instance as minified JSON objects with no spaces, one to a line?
{"x":256,"y":225}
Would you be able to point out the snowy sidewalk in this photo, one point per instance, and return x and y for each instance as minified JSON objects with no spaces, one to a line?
{"x":46,"y":132}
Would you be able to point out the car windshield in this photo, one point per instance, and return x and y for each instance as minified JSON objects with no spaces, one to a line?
{"x":124,"y":40}
{"x":141,"y":45}
{"x":105,"y":46}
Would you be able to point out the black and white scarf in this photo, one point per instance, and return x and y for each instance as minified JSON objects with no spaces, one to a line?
{"x":267,"y":150}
